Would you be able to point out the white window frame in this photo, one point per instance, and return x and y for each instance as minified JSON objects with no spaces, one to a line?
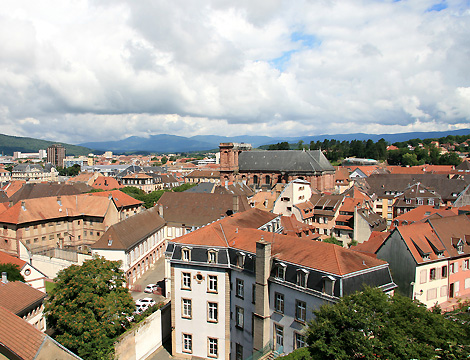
{"x":186,"y":308}
{"x":186,"y":280}
{"x":187,"y":345}
{"x":212,"y":283}
{"x":239,"y":288}
{"x":212,"y":312}
{"x":239,"y":317}
{"x":279,"y":302}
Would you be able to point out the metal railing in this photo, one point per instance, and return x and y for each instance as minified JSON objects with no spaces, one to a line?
{"x":260,"y":353}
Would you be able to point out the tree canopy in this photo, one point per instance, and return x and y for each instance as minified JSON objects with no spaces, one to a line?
{"x":13,"y":272}
{"x":371,"y":325}
{"x":88,"y":306}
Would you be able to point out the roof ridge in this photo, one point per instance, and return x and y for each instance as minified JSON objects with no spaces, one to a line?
{"x":336,"y":258}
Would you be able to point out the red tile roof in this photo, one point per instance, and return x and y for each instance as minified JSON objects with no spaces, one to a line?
{"x":18,"y":336}
{"x":8,"y":259}
{"x":120,"y":199}
{"x":40,"y":209}
{"x":375,"y":241}
{"x":16,"y":296}
{"x":13,"y":186}
{"x":313,"y":254}
{"x":418,"y":237}
{"x":106,"y":183}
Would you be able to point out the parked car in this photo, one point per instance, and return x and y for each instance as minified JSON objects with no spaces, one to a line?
{"x":139,"y":309}
{"x":150,"y":288}
{"x":145,"y":301}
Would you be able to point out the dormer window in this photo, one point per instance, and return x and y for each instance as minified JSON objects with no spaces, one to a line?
{"x":430,"y":201}
{"x":408,"y":201}
{"x":420,"y":201}
{"x":281,"y":271}
{"x":426,"y":257}
{"x":328,"y":285}
{"x":240,"y":259}
{"x":302,"y":277}
{"x":186,"y":254}
{"x":212,"y":256}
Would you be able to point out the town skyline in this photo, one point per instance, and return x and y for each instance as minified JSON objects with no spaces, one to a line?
{"x":92,"y":70}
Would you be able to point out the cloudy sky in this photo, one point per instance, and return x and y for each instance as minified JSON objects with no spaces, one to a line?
{"x":96,"y":70}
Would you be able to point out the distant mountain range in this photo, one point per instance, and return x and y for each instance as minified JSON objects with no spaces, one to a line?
{"x":175,"y":144}
{"x":10,"y":144}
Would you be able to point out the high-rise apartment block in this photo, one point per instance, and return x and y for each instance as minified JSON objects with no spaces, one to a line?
{"x":56,"y":155}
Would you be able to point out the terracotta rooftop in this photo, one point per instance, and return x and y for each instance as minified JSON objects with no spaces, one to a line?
{"x":18,"y":336}
{"x":420,"y":239}
{"x":375,"y":241}
{"x":17,"y":297}
{"x":41,"y":209}
{"x":451,"y":230}
{"x":8,"y":259}
{"x":106,"y":183}
{"x":120,"y":198}
{"x":13,"y":186}
{"x":308,"y":253}
{"x":424,"y":211}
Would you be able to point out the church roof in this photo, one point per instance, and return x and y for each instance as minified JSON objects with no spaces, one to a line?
{"x":284,"y":160}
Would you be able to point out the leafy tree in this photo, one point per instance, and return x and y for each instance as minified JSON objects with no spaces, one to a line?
{"x":410,"y":159}
{"x":280,"y":146}
{"x":333,"y":240}
{"x":371,"y":325}
{"x":13,"y":272}
{"x":87,"y":307}
{"x":164,"y":160}
{"x":449,"y":159}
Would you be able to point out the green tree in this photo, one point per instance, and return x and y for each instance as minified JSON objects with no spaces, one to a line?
{"x":164,"y":160}
{"x":88,"y":306}
{"x":409,"y":159}
{"x":333,"y":240}
{"x":13,"y":272}
{"x":372,"y":325}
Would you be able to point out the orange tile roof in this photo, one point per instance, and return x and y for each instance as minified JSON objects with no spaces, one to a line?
{"x":373,"y":244}
{"x":106,"y":183}
{"x":8,"y":259}
{"x":422,"y":212}
{"x":41,"y":209}
{"x":18,"y":336}
{"x":16,"y":296}
{"x":120,"y":198}
{"x":418,"y":237}
{"x":318,"y":255}
{"x":13,"y":186}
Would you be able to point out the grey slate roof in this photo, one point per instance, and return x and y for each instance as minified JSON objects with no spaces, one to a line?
{"x":204,"y":187}
{"x":440,"y":183}
{"x":284,"y":160}
{"x":38,"y":190}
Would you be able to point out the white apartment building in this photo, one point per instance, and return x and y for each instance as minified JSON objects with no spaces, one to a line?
{"x":237,"y":289}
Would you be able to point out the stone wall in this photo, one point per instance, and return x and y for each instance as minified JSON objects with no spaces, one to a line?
{"x":141,"y":341}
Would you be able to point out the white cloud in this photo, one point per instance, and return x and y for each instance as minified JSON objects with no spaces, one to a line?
{"x":101,"y":70}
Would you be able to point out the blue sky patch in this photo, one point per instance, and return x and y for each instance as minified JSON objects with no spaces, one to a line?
{"x":438,"y":7}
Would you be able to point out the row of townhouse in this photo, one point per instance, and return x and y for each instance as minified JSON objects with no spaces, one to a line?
{"x":430,"y":260}
{"x":239,"y":286}
{"x":58,"y":222}
{"x":436,"y":189}
{"x":347,"y":216}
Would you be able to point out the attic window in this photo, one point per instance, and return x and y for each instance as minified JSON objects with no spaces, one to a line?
{"x":185,"y":254}
{"x":240,"y":259}
{"x":426,"y":257}
{"x":302,"y":276}
{"x":328,"y":285}
{"x":110,"y":242}
{"x":212,"y":256}
{"x":281,"y":271}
